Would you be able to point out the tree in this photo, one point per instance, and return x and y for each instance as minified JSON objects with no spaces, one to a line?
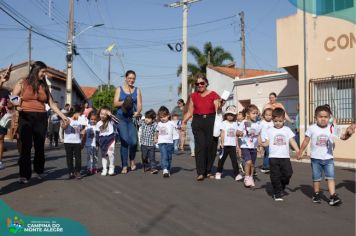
{"x":210,"y":56}
{"x":105,"y":97}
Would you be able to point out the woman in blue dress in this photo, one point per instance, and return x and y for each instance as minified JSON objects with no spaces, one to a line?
{"x":128,"y":100}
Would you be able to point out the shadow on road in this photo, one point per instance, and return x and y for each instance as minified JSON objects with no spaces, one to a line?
{"x":348,"y":184}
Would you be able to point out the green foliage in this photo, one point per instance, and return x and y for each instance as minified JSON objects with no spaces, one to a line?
{"x":105,"y":97}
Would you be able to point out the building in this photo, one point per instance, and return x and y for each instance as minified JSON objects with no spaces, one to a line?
{"x":89,"y":93}
{"x":56,"y":82}
{"x":320,"y":52}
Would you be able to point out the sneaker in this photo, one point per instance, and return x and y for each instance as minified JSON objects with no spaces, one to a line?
{"x":247,"y":182}
{"x":104,"y":172}
{"x":316,"y":198}
{"x":277,"y":198}
{"x":111,"y":171}
{"x":334,"y":200}
{"x":1,"y":166}
{"x":252,"y":182}
{"x":218,"y":175}
{"x":39,"y":176}
{"x":264,"y":170}
{"x":154,"y":171}
{"x":239,"y":177}
{"x":166,"y":173}
{"x":78,"y":175}
{"x":71,"y":176}
{"x":23,"y":180}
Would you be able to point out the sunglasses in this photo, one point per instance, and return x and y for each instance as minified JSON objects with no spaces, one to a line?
{"x":199,"y":83}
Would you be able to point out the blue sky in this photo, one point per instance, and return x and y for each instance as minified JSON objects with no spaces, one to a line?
{"x":140,"y":47}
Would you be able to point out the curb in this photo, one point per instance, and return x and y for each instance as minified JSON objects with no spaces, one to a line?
{"x":343,"y":164}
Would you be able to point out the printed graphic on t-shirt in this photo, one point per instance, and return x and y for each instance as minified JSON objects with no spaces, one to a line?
{"x":322,"y":140}
{"x":279,"y":140}
{"x":231,"y":132}
{"x":72,"y":129}
{"x":163,"y":131}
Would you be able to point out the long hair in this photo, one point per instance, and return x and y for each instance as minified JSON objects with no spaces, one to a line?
{"x":34,"y":81}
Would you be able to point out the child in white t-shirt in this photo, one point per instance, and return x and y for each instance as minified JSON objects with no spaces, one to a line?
{"x":228,"y":139}
{"x":72,"y":144}
{"x":176,"y":136}
{"x":164,"y":138}
{"x":322,"y":161}
{"x":90,"y":143}
{"x":277,"y":139}
{"x":249,"y":129}
{"x":106,"y":139}
{"x":266,"y":124}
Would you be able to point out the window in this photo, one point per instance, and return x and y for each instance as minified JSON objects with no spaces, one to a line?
{"x":327,"y":6}
{"x":339,"y":93}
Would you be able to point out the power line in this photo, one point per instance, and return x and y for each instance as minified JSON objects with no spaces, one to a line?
{"x":91,"y":70}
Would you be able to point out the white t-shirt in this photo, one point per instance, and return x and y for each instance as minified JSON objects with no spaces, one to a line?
{"x":278,"y":141}
{"x":83,"y":120}
{"x":230,"y":129}
{"x":72,"y":132}
{"x":176,"y":130}
{"x":251,"y":131}
{"x":265,"y":126}
{"x":322,"y":140}
{"x":165,"y":132}
{"x":90,"y":135}
{"x":105,"y":132}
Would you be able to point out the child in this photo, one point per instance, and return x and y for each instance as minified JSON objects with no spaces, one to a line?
{"x":90,"y":143}
{"x":277,"y":139}
{"x":148,"y":128}
{"x":240,"y":117}
{"x":72,"y":144}
{"x":322,"y":145}
{"x":229,"y":140}
{"x":266,"y":123}
{"x":164,"y":138}
{"x":249,"y":129}
{"x":106,"y":139}
{"x":176,"y":137}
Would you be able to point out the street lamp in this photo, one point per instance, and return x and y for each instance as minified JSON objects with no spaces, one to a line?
{"x":69,"y":58}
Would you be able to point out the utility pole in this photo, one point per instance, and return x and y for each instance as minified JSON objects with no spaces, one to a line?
{"x":242,"y":39}
{"x":70,"y":54}
{"x":109,"y":71}
{"x":29,"y":48}
{"x":185,"y":5}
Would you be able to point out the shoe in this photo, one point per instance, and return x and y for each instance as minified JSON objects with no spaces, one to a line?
{"x":166,"y":173}
{"x":210,"y":176}
{"x":265,"y":170}
{"x":133,"y":166}
{"x":247,"y":182}
{"x":277,"y":198}
{"x":23,"y":180}
{"x":239,"y":177}
{"x":39,"y":176}
{"x":78,"y":175}
{"x":1,"y":166}
{"x":104,"y":172}
{"x":334,"y":200}
{"x":218,"y":175}
{"x":316,"y":198}
{"x":154,"y":171}
{"x":111,"y":171}
{"x":200,"y":178}
{"x":71,"y":176}
{"x":124,"y":170}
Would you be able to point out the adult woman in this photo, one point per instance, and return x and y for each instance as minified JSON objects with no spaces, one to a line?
{"x":34,"y":93}
{"x":203,"y":106}
{"x":128,"y":100}
{"x":274,"y":104}
{"x":179,"y":110}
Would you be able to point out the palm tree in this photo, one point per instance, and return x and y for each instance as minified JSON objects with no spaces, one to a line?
{"x":210,"y":56}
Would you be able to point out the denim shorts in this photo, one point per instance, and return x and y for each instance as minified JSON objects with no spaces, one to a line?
{"x":322,"y":166}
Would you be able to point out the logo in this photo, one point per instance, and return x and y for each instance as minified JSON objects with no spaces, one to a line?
{"x":15,"y":225}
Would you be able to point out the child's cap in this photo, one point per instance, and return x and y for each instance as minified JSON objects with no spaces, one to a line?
{"x":231,"y":110}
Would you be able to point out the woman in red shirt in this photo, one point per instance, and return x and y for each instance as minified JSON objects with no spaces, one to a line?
{"x":203,"y":106}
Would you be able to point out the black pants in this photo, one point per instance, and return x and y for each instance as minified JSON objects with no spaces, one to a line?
{"x":148,"y":156}
{"x":73,"y":150}
{"x":231,"y":152}
{"x":53,"y":132}
{"x":204,"y":143}
{"x":280,"y":173}
{"x":32,"y":129}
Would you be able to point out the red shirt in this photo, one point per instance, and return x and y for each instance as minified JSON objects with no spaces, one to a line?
{"x":204,"y":105}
